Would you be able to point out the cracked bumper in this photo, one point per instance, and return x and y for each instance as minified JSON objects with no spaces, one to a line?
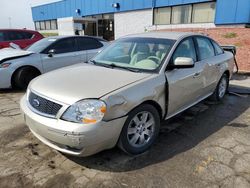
{"x":72,"y":138}
{"x":5,"y":78}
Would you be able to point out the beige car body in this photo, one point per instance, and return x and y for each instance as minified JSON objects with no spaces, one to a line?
{"x":170,"y":91}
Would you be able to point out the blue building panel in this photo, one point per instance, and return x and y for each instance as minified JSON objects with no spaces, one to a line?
{"x":237,"y":11}
{"x":227,"y":12}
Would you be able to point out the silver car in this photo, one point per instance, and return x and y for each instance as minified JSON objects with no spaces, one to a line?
{"x":121,"y":96}
{"x":18,"y":67}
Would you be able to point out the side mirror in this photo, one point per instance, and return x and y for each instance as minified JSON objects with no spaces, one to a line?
{"x":51,"y":52}
{"x":183,"y":62}
{"x":14,"y":46}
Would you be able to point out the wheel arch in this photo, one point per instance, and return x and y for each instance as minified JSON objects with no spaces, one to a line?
{"x":154,"y":104}
{"x":25,"y":66}
{"x":227,"y":73}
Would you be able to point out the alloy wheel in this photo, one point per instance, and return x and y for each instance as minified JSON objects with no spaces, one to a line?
{"x":141,"y":129}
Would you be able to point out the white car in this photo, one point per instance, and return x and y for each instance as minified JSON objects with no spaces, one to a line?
{"x":18,"y":67}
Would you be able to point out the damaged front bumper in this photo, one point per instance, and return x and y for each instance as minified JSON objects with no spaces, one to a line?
{"x":73,"y":138}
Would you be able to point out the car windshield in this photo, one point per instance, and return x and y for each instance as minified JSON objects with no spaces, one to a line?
{"x":40,"y":45}
{"x":144,"y":54}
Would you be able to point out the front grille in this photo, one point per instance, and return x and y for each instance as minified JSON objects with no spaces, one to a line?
{"x":43,"y":105}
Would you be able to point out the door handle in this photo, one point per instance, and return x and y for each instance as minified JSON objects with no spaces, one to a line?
{"x":197,"y":74}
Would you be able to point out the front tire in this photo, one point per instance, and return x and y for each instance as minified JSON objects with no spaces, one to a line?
{"x":221,"y":88}
{"x":23,"y":76}
{"x":140,"y":130}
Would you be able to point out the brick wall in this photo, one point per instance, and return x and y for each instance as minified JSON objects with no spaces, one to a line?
{"x":240,"y":37}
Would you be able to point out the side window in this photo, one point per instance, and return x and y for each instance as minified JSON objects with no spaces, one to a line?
{"x":64,"y":46}
{"x":85,"y":43}
{"x":185,"y":49}
{"x":27,"y":35}
{"x":205,"y":47}
{"x":15,"y":35}
{"x":2,"y":38}
{"x":217,"y":48}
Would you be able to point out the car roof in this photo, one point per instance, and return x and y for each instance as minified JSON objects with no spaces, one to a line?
{"x":164,"y":34}
{"x":68,"y":36}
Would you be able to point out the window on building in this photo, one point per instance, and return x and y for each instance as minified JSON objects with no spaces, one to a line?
{"x":42,"y":25}
{"x":181,"y":14}
{"x":193,"y":13}
{"x":205,"y":47}
{"x":47,"y":25}
{"x":53,"y":24}
{"x":37,"y":26}
{"x":162,"y":15}
{"x":203,"y":12}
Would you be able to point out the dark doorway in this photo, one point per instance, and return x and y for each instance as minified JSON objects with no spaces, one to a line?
{"x":90,"y":28}
{"x":106,"y":28}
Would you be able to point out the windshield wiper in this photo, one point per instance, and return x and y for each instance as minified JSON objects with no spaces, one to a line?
{"x":92,"y":61}
{"x":112,"y":65}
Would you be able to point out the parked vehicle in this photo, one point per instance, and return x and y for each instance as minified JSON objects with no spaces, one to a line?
{"x":19,"y":67}
{"x":122,"y":94}
{"x":22,"y":37}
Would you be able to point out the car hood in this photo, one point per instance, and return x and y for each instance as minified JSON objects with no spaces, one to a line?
{"x":10,"y":53}
{"x":82,"y":81}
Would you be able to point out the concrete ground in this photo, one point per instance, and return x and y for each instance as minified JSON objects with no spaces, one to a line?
{"x":206,"y":146}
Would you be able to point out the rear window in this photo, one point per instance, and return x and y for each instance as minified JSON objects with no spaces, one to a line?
{"x":206,"y":49}
{"x":17,"y":35}
{"x":217,"y":48}
{"x":85,"y":43}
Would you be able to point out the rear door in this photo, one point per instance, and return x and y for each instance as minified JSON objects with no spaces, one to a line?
{"x":82,"y":51}
{"x":65,"y":54}
{"x":184,"y":83}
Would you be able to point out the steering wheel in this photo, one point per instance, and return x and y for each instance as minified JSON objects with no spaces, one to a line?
{"x":155,"y":59}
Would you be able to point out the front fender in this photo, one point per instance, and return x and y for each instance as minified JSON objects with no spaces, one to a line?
{"x":122,"y":101}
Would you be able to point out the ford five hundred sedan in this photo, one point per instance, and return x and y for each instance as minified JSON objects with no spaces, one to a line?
{"x":121,"y":96}
{"x":19,"y":67}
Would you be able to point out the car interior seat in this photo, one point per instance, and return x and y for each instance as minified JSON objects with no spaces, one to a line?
{"x":142,"y":52}
{"x":146,"y":64}
{"x":161,"y":52}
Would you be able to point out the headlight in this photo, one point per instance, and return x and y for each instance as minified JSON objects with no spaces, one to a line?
{"x":5,"y":65}
{"x":85,"y":111}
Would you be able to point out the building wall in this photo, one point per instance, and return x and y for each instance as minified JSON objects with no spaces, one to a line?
{"x":66,"y":26}
{"x":132,"y":22}
{"x":232,"y":11}
{"x":228,"y":11}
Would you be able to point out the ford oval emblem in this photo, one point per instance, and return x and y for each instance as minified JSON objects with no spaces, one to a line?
{"x":36,"y":103}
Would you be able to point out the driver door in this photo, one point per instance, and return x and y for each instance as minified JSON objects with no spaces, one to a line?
{"x":65,"y":54}
{"x":184,"y":83}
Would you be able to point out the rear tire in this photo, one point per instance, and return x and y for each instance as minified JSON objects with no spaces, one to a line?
{"x":23,"y":76}
{"x":140,"y":130}
{"x":221,"y":88}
